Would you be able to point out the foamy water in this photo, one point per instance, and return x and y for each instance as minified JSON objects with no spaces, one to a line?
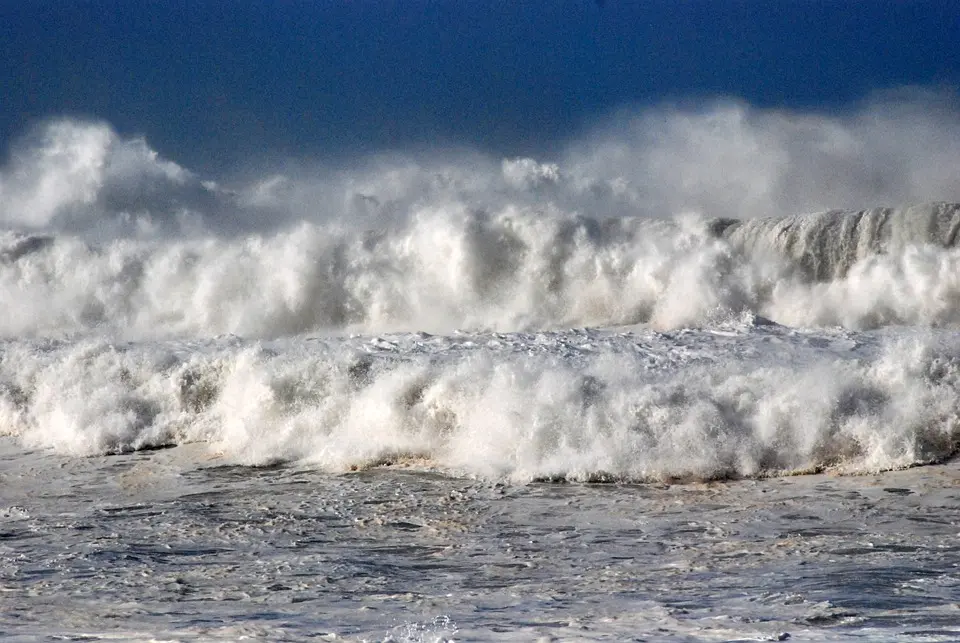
{"x":736,"y":400}
{"x":200,"y":367}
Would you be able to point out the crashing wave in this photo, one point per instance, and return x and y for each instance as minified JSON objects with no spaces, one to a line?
{"x":520,"y":268}
{"x":826,"y":245}
{"x":583,"y":405}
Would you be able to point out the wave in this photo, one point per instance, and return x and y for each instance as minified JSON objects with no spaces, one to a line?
{"x":825,"y":246}
{"x":587,"y":405}
{"x":452,"y":268}
{"x":146,"y":306}
{"x":666,"y":217}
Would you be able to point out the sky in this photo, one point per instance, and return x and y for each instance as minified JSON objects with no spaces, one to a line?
{"x":215,"y":84}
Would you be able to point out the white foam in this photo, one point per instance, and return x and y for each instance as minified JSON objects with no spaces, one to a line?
{"x":106,"y":236}
{"x":449,"y":267}
{"x":108,"y":243}
{"x":751,"y":400}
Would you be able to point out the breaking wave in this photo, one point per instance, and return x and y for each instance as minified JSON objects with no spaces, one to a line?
{"x":286,"y":318}
{"x":588,"y":405}
{"x":667,"y":217}
{"x":451,"y":267}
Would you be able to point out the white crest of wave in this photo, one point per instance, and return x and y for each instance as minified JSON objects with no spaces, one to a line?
{"x":106,"y":236}
{"x":444,"y":268}
{"x":448,"y":267}
{"x":580,"y":405}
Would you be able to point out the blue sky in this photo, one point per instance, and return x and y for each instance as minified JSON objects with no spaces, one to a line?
{"x":215,"y":84}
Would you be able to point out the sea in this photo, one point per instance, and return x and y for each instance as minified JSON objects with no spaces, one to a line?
{"x":458,"y":398}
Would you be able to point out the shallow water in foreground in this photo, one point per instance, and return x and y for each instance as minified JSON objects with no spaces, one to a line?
{"x":173,"y":545}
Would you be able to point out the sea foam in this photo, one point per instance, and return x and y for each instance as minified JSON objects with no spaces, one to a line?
{"x":418,"y":310}
{"x":630,"y":405}
{"x":452,"y":268}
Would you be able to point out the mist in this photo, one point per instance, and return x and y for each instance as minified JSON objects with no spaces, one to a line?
{"x":722,"y":159}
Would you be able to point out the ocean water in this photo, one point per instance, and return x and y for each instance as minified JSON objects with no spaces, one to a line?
{"x":464,"y":399}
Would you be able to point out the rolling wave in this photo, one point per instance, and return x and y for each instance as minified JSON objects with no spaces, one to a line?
{"x":752,"y":399}
{"x":406,"y":309}
{"x":450,"y":268}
